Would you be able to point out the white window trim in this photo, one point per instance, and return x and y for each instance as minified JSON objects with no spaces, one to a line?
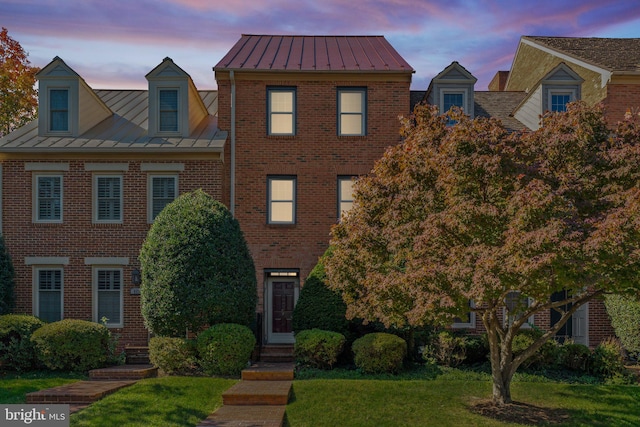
{"x":46,"y":167}
{"x":294,"y":201}
{"x":472,"y":320}
{"x":106,"y":167}
{"x":150,"y":217}
{"x":508,"y":319}
{"x":363,"y":113}
{"x":162,"y":167}
{"x":342,"y":178}
{"x":179,"y":106}
{"x":95,"y":293}
{"x":454,"y":91}
{"x":36,"y":201}
{"x":69,"y":130}
{"x":573,"y":94}
{"x":94,"y":203}
{"x":36,"y":286}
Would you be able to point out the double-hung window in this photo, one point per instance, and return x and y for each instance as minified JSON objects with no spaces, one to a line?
{"x":281,"y":111}
{"x":48,"y":198}
{"x":451,"y":98}
{"x":163,"y":189}
{"x":516,"y":304}
{"x":345,"y":194}
{"x":281,"y":195}
{"x":108,"y":199}
{"x":168,"y":110}
{"x":49,"y":294}
{"x":58,"y":110}
{"x":466,"y":320}
{"x":558,"y":100}
{"x":352,"y":114}
{"x":108,"y":296}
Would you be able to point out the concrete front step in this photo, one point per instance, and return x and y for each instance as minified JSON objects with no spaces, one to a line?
{"x":243,"y":416}
{"x":78,"y":392}
{"x":262,"y":371}
{"x":137,"y":355}
{"x":124,"y":372}
{"x":277,"y":353}
{"x":258,"y":393}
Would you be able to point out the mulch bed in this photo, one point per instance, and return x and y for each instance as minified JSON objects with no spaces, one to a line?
{"x":522,"y":413}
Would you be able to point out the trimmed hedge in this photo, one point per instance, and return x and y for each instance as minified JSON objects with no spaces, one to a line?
{"x":379,"y":352}
{"x":173,"y":355}
{"x":317,"y":348}
{"x":17,"y":352}
{"x":319,"y":307}
{"x":7,"y":280}
{"x":72,"y":345}
{"x":225,"y":349}
{"x":196,"y":268}
{"x":625,"y":312}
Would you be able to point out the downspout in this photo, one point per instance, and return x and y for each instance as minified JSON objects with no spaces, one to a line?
{"x":232,"y":181}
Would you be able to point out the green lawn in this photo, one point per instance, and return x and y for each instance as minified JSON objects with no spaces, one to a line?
{"x":14,"y":387}
{"x":166,"y":402}
{"x":445,"y":400}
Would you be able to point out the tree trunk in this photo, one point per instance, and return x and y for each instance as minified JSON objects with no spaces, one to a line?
{"x":501,"y":362}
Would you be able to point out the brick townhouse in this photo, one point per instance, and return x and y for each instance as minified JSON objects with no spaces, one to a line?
{"x":294,"y":120}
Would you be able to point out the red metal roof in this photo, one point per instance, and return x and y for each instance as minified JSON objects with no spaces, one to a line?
{"x":313,"y":53}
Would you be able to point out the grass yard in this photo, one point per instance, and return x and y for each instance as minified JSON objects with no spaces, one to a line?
{"x":14,"y":387}
{"x":166,"y":402}
{"x":445,"y":401}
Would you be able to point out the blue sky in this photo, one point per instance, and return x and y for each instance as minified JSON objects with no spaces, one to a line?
{"x":114,"y":43}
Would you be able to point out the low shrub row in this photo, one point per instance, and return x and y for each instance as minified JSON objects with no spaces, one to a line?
{"x":27,"y":343}
{"x":223,"y":349}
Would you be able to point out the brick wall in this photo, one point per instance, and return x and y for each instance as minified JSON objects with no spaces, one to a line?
{"x":620,"y":99}
{"x":315,"y":155}
{"x":77,"y":238}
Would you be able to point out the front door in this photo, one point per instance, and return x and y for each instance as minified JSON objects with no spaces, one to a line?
{"x":281,"y":298}
{"x":580,"y":325}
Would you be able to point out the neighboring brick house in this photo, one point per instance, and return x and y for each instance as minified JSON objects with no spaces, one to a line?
{"x":311,"y":113}
{"x":546,"y":74}
{"x":82,"y":184}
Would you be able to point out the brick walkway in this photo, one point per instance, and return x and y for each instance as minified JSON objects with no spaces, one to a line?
{"x":258,"y":400}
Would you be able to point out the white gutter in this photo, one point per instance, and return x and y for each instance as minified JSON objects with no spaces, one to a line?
{"x":232,"y":183}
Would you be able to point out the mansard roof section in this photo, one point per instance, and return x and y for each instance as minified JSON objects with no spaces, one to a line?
{"x":124,"y":132}
{"x":291,"y":53}
{"x":618,"y":55}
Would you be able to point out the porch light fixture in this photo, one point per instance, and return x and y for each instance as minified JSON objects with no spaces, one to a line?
{"x":136,"y":277}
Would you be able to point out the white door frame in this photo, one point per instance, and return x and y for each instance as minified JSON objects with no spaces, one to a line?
{"x":580,"y":325}
{"x":273,"y":337}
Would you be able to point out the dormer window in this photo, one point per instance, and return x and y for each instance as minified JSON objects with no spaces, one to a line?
{"x":560,"y":87}
{"x":452,"y":87}
{"x":168,"y":110}
{"x":558,"y":100}
{"x":58,"y":110}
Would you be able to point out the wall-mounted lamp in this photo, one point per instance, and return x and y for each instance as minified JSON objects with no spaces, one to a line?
{"x":136,"y":277}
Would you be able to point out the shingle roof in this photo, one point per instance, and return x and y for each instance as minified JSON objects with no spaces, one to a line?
{"x":313,"y":53}
{"x":499,"y":105}
{"x":125,"y":131}
{"x":613,"y":54}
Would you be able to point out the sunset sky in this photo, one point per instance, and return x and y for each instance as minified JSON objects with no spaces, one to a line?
{"x":114,"y":43}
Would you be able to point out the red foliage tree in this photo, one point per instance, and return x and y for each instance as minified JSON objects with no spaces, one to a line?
{"x":470,"y":212}
{"x":18,"y":96}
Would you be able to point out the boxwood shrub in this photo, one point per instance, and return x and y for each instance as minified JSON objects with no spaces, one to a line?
{"x":317,"y":348}
{"x":379,"y":352}
{"x":625,"y":312}
{"x":7,"y":280}
{"x":225,"y":349}
{"x":72,"y":345}
{"x":17,"y":352}
{"x":173,"y":355}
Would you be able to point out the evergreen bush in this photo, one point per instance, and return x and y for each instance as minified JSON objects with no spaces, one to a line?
{"x":173,"y":356}
{"x":379,"y":352}
{"x":624,"y":312}
{"x":73,"y":345}
{"x":317,"y":348}
{"x":607,"y":360}
{"x":17,"y":352}
{"x":575,"y":356}
{"x":196,"y":268}
{"x":225,"y":349}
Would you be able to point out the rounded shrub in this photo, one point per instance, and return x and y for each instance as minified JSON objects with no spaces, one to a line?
{"x":317,"y":348}
{"x":72,"y":345}
{"x":225,"y":349}
{"x":379,"y":352}
{"x":173,"y":355}
{"x":17,"y":352}
{"x":624,"y":312}
{"x":607,"y":360}
{"x":575,"y":356}
{"x":318,"y":307}
{"x":196,"y":268}
{"x":7,"y":280}
{"x":446,"y":348}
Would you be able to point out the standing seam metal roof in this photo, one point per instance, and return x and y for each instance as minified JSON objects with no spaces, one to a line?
{"x":313,"y":53}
